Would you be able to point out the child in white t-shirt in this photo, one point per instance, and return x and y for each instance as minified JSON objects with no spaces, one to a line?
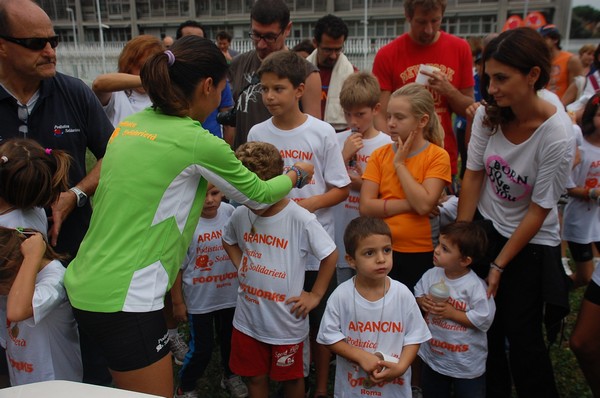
{"x":207,"y":300}
{"x":42,"y":342}
{"x":581,"y":228}
{"x":372,"y":322}
{"x":270,"y":248}
{"x":301,"y":137}
{"x":458,"y":313}
{"x":360,"y":100}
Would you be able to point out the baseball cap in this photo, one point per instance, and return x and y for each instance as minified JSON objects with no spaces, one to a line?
{"x":549,"y":30}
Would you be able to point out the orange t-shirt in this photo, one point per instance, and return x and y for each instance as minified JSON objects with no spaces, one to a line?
{"x":559,"y":74}
{"x":411,"y":233}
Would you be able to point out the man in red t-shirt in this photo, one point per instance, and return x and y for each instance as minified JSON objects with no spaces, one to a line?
{"x":397,"y":64}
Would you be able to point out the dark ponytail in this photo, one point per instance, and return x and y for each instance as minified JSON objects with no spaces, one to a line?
{"x":170,"y":80}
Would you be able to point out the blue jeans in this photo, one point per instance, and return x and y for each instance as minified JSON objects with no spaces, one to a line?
{"x":436,"y":385}
{"x":202,"y":339}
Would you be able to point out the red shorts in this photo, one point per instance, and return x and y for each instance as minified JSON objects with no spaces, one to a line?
{"x":250,"y":357}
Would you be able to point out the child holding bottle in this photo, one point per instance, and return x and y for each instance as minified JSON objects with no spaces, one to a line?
{"x":458,"y":313}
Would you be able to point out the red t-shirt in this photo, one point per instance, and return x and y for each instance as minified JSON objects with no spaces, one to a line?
{"x":397,"y":64}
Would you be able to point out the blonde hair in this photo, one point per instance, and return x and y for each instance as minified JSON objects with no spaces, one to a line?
{"x":421,"y":103}
{"x":360,"y":89}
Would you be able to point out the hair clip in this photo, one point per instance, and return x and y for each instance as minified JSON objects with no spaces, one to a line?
{"x":171,"y":57}
{"x":596,"y":100}
{"x":22,"y":231}
{"x":4,"y":159}
{"x":48,"y":151}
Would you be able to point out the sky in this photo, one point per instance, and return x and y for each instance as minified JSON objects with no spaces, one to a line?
{"x":592,"y":3}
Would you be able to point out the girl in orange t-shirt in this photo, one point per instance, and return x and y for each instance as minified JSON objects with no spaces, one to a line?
{"x":404,"y":180}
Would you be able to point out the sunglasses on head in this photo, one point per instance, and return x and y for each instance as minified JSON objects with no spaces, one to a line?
{"x":33,"y":43}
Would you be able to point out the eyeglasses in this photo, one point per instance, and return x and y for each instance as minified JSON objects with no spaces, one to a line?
{"x":33,"y":43}
{"x":23,"y":114}
{"x":269,"y":38}
{"x":329,"y":51}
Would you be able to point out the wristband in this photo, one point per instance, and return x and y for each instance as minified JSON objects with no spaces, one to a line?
{"x":495,"y":266}
{"x":302,"y":177}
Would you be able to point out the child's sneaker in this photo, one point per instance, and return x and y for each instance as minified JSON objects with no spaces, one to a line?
{"x":417,"y":392}
{"x":187,"y":394}
{"x":566,"y":266}
{"x":235,"y":386}
{"x":178,"y":348}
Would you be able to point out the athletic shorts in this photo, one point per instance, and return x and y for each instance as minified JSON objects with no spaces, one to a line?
{"x":592,"y":293}
{"x":582,"y":251}
{"x":250,"y":357}
{"x":128,"y":340}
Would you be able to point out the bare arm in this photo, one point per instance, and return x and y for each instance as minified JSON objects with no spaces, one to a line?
{"x":330,"y":198}
{"x":526,"y":230}
{"x":366,"y":360}
{"x":311,"y":100}
{"x":458,"y":100}
{"x":423,"y":198}
{"x":179,"y":307}
{"x":469,"y":194}
{"x":235,"y":254}
{"x":575,"y":68}
{"x":570,"y":95}
{"x":19,"y":304}
{"x":390,"y":370}
{"x":106,"y":84}
{"x":370,"y":204}
{"x":307,"y":301}
{"x":67,"y":201}
{"x":381,"y":117}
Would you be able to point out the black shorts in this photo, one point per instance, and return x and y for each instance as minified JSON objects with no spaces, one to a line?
{"x":592,"y":293}
{"x":128,"y":340}
{"x":582,"y":251}
{"x":408,"y":268}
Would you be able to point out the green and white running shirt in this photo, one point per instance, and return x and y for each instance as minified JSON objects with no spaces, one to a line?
{"x":152,"y":187}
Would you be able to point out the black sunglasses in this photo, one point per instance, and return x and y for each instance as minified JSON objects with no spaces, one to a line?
{"x":33,"y":43}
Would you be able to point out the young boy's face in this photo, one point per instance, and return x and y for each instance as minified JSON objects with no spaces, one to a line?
{"x":447,"y":256}
{"x":373,"y":257}
{"x":279,"y":95}
{"x":360,"y":118}
{"x":211,"y":202}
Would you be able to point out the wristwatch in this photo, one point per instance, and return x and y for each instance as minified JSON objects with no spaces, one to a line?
{"x":80,"y":195}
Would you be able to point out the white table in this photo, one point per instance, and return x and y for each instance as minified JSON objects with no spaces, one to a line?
{"x":68,"y":389}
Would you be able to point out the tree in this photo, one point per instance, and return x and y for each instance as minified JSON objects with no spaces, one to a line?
{"x":585,"y":22}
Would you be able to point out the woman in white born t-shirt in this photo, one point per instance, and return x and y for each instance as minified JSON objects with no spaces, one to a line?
{"x":520,"y":155}
{"x":121,"y":93}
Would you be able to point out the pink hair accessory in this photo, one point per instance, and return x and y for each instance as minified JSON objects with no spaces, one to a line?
{"x":48,"y":151}
{"x":171,"y":57}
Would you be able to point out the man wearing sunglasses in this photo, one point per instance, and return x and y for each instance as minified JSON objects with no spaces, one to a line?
{"x":269,"y":27}
{"x":58,"y":111}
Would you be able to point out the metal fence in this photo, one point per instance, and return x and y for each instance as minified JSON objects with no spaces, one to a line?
{"x":87,"y":60}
